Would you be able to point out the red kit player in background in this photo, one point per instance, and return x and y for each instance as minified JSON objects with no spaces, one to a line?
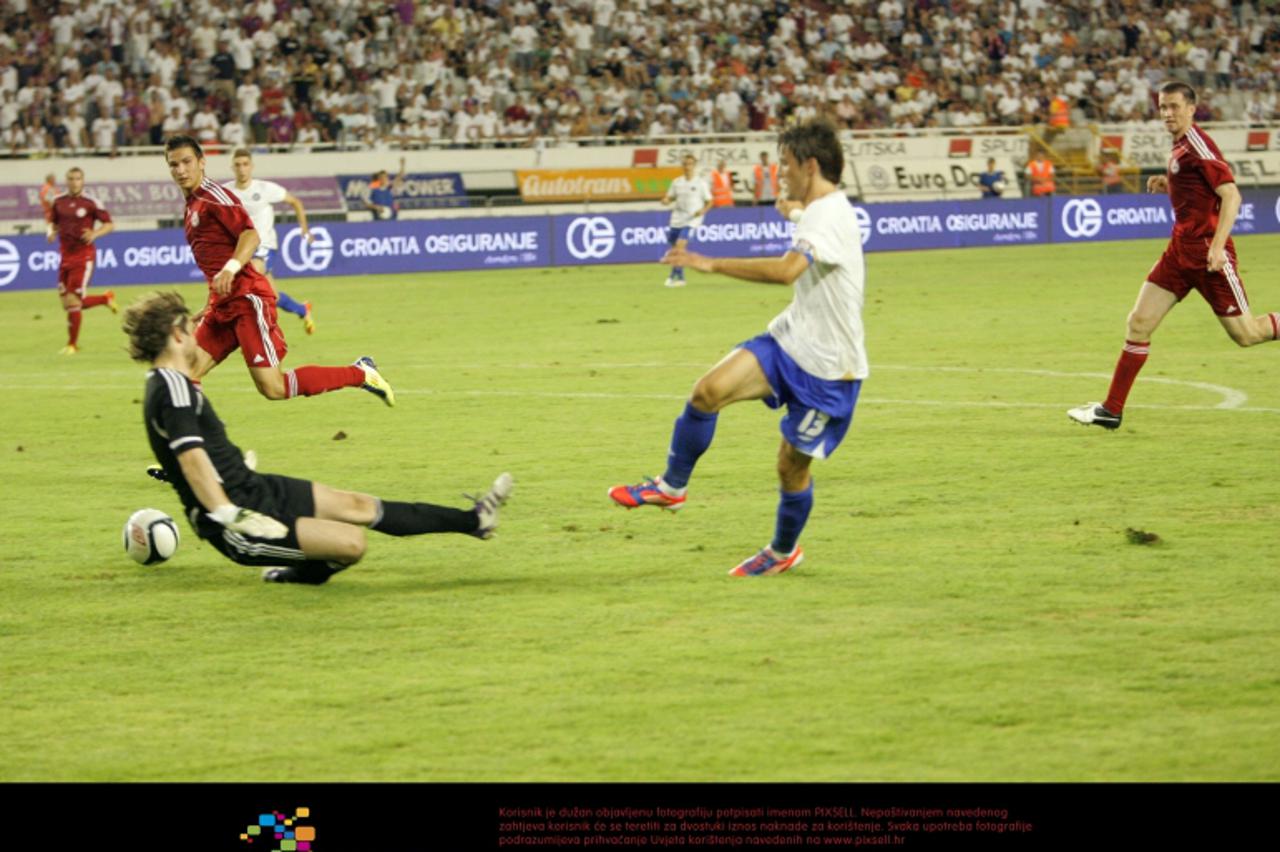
{"x":1200,"y":255}
{"x":241,"y":313}
{"x":72,"y":217}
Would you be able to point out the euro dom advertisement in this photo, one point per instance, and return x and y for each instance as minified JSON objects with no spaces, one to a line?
{"x":428,"y":245}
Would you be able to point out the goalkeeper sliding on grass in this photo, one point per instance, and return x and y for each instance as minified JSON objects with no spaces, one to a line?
{"x":305,"y":532}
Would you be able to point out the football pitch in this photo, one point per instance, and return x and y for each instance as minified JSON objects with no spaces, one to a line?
{"x":972,"y":606}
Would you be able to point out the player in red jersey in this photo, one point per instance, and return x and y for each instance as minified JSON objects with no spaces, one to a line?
{"x":72,"y":217}
{"x":241,"y":312}
{"x":1200,"y":255}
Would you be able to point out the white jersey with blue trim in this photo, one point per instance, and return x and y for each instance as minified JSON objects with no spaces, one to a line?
{"x":822,"y":327}
{"x":257,"y":199}
{"x":690,"y":197}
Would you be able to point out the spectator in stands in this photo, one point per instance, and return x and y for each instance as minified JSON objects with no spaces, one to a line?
{"x":105,"y":128}
{"x":206,"y":124}
{"x":912,"y":66}
{"x":76,"y":132}
{"x":174,"y":124}
{"x":309,"y":134}
{"x":231,"y":134}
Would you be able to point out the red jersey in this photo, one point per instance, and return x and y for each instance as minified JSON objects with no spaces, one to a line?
{"x":214,"y":221}
{"x":72,"y":216}
{"x":1195,"y":170}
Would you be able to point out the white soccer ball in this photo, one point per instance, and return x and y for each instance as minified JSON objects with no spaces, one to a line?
{"x":998,"y":186}
{"x":384,"y":212}
{"x":150,"y":536}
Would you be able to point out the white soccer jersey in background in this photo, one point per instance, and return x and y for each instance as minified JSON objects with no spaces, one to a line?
{"x":690,"y":197}
{"x":257,"y":200}
{"x":822,"y":327}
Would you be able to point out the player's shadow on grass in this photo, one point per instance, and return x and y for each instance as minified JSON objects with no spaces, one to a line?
{"x":404,"y":584}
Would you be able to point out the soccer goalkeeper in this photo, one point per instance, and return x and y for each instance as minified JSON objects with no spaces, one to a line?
{"x":304,"y":532}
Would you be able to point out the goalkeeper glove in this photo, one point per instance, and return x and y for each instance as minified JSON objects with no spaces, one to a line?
{"x":248,"y":522}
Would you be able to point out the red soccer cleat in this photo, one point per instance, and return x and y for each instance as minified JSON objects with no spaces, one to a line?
{"x":646,"y":493}
{"x":767,"y":562}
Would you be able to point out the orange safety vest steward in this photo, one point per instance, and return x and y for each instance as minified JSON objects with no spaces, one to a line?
{"x":1059,"y":112}
{"x":721,"y":189}
{"x":1041,"y":172}
{"x":773,"y":179}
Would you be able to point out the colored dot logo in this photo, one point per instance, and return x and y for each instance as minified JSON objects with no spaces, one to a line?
{"x":282,"y":832}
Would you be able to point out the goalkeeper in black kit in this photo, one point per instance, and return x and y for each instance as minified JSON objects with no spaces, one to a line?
{"x":302,"y":531}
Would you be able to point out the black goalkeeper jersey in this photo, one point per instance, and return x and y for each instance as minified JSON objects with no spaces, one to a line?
{"x":178,"y":419}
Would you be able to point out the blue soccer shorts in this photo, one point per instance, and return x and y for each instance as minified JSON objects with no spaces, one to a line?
{"x":676,"y":234}
{"x":265,"y":255}
{"x":819,"y":411}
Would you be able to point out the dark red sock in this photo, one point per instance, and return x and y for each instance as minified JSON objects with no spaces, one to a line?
{"x":1275,"y":325}
{"x":309,"y":381}
{"x":1132,"y":357}
{"x":92,"y":302}
{"x":73,"y":326}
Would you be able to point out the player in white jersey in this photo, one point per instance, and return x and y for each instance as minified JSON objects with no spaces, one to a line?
{"x":812,"y":359}
{"x":258,"y":196}
{"x":691,"y":199}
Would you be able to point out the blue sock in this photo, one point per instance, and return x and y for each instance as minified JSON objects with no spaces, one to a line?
{"x":689,"y":440}
{"x":677,"y":272}
{"x":284,"y":300}
{"x":793,"y":512}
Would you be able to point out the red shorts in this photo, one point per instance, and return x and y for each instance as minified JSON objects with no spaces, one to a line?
{"x":74,"y":280}
{"x":1184,"y":267}
{"x":247,"y":322}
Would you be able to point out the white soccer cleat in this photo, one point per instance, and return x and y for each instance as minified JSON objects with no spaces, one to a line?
{"x":374,"y":383}
{"x":488,"y":504}
{"x":673,"y":282}
{"x":1094,"y":414}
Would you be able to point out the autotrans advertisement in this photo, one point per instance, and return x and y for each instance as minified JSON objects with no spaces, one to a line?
{"x":556,"y":185}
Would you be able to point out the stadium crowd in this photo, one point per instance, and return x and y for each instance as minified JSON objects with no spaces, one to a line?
{"x":101,"y":74}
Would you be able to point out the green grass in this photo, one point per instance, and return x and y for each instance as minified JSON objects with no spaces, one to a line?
{"x":970,"y":608}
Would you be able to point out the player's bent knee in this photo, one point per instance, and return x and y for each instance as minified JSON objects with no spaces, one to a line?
{"x":1140,"y":326}
{"x":350,"y":549}
{"x":1245,"y":337}
{"x":707,"y":396}
{"x":271,"y":386}
{"x":793,"y":468}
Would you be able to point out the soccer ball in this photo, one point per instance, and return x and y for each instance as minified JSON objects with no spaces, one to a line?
{"x":998,"y":186}
{"x":150,"y":536}
{"x":384,"y":212}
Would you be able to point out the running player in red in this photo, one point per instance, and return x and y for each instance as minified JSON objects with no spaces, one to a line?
{"x":72,"y":217}
{"x":1200,"y":255}
{"x":241,"y":312}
